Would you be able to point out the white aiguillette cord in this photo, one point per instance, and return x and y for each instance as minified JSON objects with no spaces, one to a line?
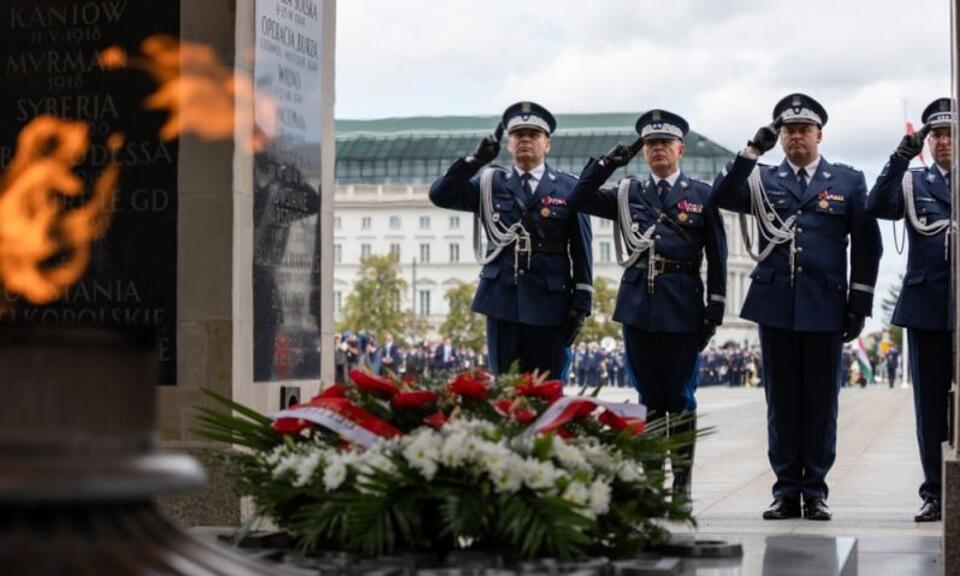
{"x":628,"y":233}
{"x":500,"y":236}
{"x":925,"y":229}
{"x":772,"y":228}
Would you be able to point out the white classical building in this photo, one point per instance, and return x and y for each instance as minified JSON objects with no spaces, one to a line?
{"x":384,"y":170}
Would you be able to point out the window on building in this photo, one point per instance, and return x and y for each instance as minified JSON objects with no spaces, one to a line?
{"x":424,"y":222}
{"x":604,"y":251}
{"x":425,"y":253}
{"x":454,"y":252}
{"x":366,"y":223}
{"x":337,"y":223}
{"x":454,"y":222}
{"x":395,"y":250}
{"x":394,"y":222}
{"x":425,"y":302}
{"x":604,"y":223}
{"x":337,"y":301}
{"x":337,"y":254}
{"x":365,"y":250}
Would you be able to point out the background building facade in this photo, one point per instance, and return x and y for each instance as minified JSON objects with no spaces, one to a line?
{"x":384,"y":169}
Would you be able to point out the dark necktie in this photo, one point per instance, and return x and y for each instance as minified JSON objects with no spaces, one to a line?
{"x":664,"y":188}
{"x":527,"y":190}
{"x":802,"y":177}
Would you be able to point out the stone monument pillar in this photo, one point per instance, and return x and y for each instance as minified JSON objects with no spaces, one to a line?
{"x":190,"y":200}
{"x":255,"y":228}
{"x":951,"y":448}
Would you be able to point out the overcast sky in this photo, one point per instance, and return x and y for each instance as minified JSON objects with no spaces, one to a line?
{"x":720,"y":64}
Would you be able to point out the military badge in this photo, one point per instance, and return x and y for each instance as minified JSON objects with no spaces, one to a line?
{"x":545,"y":212}
{"x":683,"y":217}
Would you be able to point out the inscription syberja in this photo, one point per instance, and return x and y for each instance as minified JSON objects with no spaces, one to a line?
{"x":51,"y":65}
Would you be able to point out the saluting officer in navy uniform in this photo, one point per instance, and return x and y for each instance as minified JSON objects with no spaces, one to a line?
{"x":807,"y":212}
{"x":667,"y":223}
{"x":923,"y":197}
{"x":536,"y":283}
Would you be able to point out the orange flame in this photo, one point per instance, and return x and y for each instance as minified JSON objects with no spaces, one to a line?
{"x":201,"y":94}
{"x":34,"y":226}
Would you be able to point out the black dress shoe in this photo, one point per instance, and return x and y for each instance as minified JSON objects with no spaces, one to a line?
{"x":929,"y":512}
{"x":782,"y":509}
{"x":816,"y":509}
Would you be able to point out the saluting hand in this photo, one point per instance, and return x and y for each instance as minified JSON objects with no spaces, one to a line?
{"x":489,"y":147}
{"x":620,"y":155}
{"x":765,"y":138}
{"x":911,"y":145}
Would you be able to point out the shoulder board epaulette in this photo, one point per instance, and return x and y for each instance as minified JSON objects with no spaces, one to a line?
{"x":918,"y":170}
{"x":568,"y":174}
{"x":842,"y":165}
{"x":699,"y":181}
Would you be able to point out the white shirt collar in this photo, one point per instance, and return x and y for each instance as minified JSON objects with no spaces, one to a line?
{"x":671,"y":179}
{"x":811,"y":168}
{"x":536,"y":173}
{"x":942,"y":171}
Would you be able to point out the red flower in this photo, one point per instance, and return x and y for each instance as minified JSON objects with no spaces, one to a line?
{"x":548,"y":390}
{"x":503,"y":406}
{"x":290,"y":425}
{"x":524,"y":415}
{"x":468,"y":386}
{"x":436,"y":420}
{"x":564,"y":433}
{"x":371,"y":384}
{"x":409,"y":379}
{"x":415,"y":399}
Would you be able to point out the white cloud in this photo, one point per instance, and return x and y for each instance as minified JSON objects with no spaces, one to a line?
{"x":723,"y":65}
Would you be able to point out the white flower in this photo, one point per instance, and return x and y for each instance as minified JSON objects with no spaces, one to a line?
{"x":508,"y":475}
{"x":453,"y":453}
{"x":569,"y":455}
{"x":377,"y":460}
{"x":539,"y":475}
{"x":334,"y":474}
{"x":629,"y":471}
{"x":422,"y":452}
{"x":305,"y":466}
{"x":599,"y":500}
{"x":576,"y":493}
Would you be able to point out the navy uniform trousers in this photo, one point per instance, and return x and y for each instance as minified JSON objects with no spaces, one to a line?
{"x":801,"y":318}
{"x":527,"y":303}
{"x":924,"y":297}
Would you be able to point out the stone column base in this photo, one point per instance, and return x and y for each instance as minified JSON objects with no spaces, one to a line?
{"x":951,"y":510}
{"x":218,"y":504}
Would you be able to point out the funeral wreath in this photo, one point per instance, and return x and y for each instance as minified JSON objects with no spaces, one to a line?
{"x":380,"y":466}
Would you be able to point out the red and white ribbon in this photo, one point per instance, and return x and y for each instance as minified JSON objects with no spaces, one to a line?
{"x":566,"y":408}
{"x":344,"y":418}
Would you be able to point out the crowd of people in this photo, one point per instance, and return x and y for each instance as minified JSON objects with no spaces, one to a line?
{"x":593,"y":364}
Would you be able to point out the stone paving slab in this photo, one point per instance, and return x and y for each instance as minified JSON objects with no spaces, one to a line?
{"x":873,"y":484}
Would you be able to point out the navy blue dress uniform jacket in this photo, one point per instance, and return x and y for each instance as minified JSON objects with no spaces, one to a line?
{"x":555,"y":282}
{"x":926,"y":285}
{"x":830,"y":215}
{"x":677,"y":302}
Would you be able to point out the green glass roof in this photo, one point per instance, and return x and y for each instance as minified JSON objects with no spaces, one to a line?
{"x":418,"y":149}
